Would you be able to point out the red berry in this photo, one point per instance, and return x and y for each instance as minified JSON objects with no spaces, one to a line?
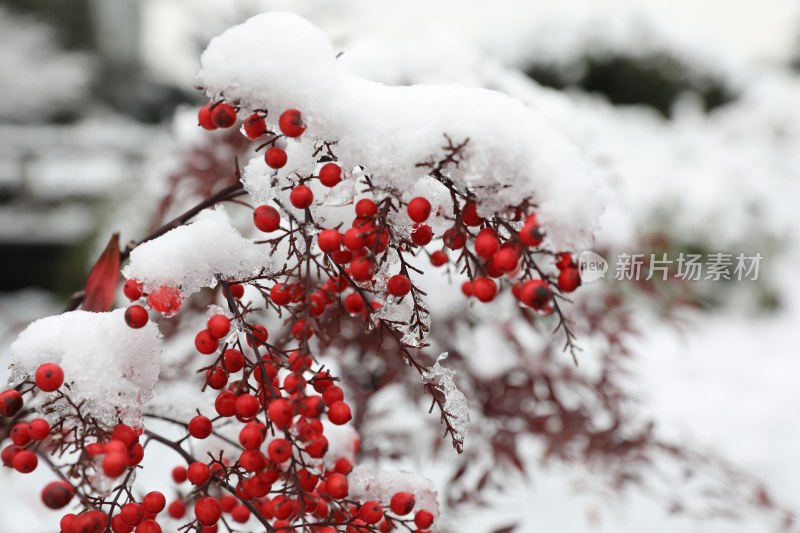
{"x":149,"y":526}
{"x":329,"y":240}
{"x":531,"y":234}
{"x":250,"y":437}
{"x":154,"y":502}
{"x":419,"y":209}
{"x":470,"y":215}
{"x":225,"y":404}
{"x":371,"y":512}
{"x":25,"y":462}
{"x":291,"y":123}
{"x":198,"y":473}
{"x":20,"y":435}
{"x":136,"y":316}
{"x":125,"y":434}
{"x":422,"y":234}
{"x":301,"y":197}
{"x":281,"y":412}
{"x":267,"y":218}
{"x":204,"y":118}
{"x":398,"y":285}
{"x":569,"y":279}
{"x":200,"y":427}
{"x":216,"y":378}
{"x":279,"y":450}
{"x":166,"y":300}
{"x":355,"y":238}
{"x":281,"y":294}
{"x":132,"y":513}
{"x":49,"y":377}
{"x":10,"y":403}
{"x":454,"y":238}
{"x":467,"y":289}
{"x":176,"y":509}
{"x":485,"y":289}
{"x":207,"y":510}
{"x":423,"y":519}
{"x":237,"y":290}
{"x":57,"y":494}
{"x":362,"y":269}
{"x":337,"y":486}
{"x":276,"y":157}
{"x":506,"y":260}
{"x":255,"y":126}
{"x":240,"y":514}
{"x":38,"y":428}
{"x":233,"y":360}
{"x":114,"y":464}
{"x":402,"y":503}
{"x":564,"y":261}
{"x":486,"y":243}
{"x":330,"y":174}
{"x":354,"y":303}
{"x":132,"y":290}
{"x":179,"y":474}
{"x":366,"y":208}
{"x":247,"y":406}
{"x":219,"y":326}
{"x":438,"y":258}
{"x":536,"y":294}
{"x":205,"y":342}
{"x":259,"y":333}
{"x":339,"y":413}
{"x":223,"y":115}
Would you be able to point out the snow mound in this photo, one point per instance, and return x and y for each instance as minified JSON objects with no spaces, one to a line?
{"x":108,"y":365}
{"x":367,"y":483}
{"x":278,"y":61}
{"x":189,"y":257}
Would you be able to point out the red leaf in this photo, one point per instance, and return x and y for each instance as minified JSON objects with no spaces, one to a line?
{"x":101,"y":285}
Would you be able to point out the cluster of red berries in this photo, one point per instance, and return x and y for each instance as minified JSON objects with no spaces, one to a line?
{"x":223,"y":115}
{"x":164,"y":299}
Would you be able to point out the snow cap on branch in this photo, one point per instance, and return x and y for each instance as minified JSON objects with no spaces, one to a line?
{"x":111,"y":367}
{"x":189,"y":257}
{"x":278,"y":61}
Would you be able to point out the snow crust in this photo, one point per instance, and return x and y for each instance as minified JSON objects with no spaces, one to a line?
{"x":277,"y":61}
{"x":108,"y":365}
{"x":188,"y":257}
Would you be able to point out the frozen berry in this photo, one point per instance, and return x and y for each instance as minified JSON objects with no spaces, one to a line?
{"x":301,"y":197}
{"x":136,"y":316}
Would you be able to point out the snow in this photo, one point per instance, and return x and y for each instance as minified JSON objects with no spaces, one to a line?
{"x":368,"y":483}
{"x":455,"y":403}
{"x":108,"y":365}
{"x":512,"y":151}
{"x":189,"y":257}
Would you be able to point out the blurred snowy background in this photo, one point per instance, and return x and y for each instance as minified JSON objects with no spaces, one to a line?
{"x":689,"y":111}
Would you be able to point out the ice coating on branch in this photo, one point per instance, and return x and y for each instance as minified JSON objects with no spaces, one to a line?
{"x":190,"y":256}
{"x":455,"y":403}
{"x":111,"y":367}
{"x":278,"y":61}
{"x":367,"y":483}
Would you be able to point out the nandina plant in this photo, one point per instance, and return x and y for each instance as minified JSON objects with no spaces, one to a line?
{"x":359,"y":195}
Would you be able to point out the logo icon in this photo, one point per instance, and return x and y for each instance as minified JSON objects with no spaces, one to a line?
{"x":591,"y":266}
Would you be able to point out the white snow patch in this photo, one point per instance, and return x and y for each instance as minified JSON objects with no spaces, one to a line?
{"x":513,"y":153}
{"x":108,"y":365}
{"x":190,"y":256}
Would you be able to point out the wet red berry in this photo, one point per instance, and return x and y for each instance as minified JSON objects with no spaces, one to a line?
{"x":291,"y":123}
